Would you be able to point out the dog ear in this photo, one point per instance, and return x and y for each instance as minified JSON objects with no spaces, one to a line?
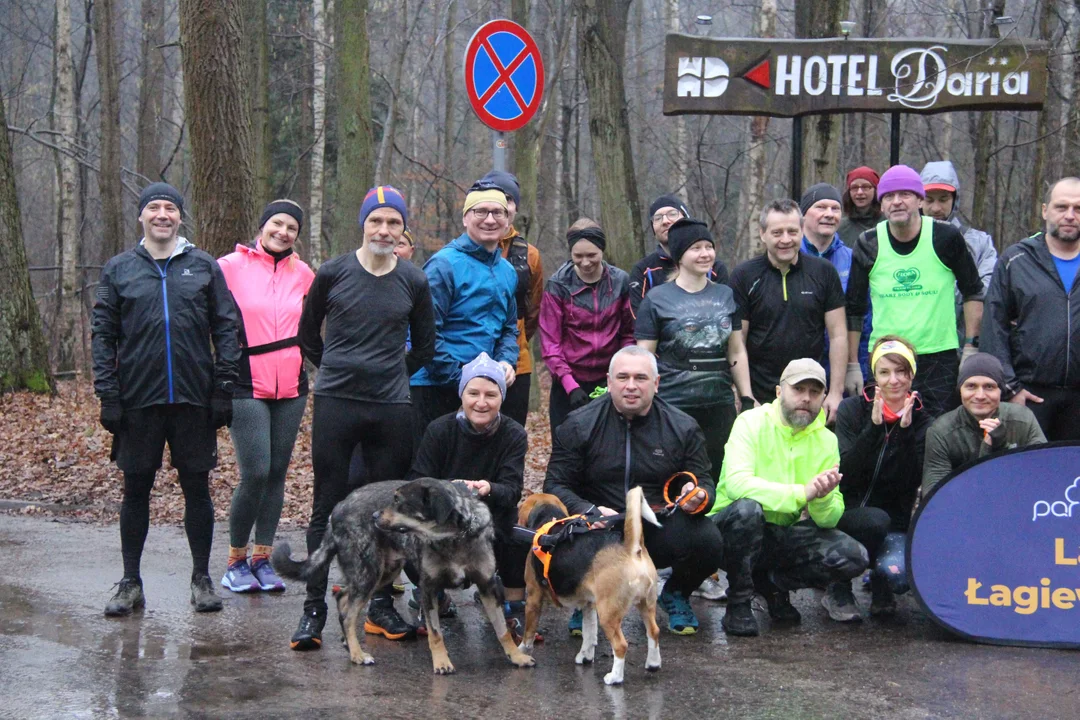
{"x":441,"y":505}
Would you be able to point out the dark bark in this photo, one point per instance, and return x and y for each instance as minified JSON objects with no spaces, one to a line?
{"x":258,"y":44}
{"x":151,"y":88}
{"x":982,"y":213}
{"x":109,"y":182}
{"x":24,"y":357}
{"x":217,"y":110}
{"x":821,"y":133}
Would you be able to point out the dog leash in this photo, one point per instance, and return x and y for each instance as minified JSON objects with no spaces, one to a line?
{"x":681,"y":501}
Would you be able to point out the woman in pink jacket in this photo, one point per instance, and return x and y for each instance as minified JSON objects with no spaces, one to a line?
{"x":269,"y":283}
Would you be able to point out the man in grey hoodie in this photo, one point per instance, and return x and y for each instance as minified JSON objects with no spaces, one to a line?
{"x":942,"y":187}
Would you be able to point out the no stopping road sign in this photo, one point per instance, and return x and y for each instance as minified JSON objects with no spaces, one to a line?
{"x":504,"y":75}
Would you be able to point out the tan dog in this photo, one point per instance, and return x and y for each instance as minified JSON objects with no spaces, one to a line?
{"x":601,"y":572}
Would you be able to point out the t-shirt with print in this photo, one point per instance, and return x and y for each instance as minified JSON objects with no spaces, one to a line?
{"x":692,"y":331}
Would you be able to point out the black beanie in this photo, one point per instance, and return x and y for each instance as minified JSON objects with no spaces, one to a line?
{"x":593,"y":234}
{"x":160,"y":191}
{"x":821,"y":191}
{"x":982,"y":365}
{"x":684,"y":233}
{"x":668,"y":201}
{"x":283,"y":206}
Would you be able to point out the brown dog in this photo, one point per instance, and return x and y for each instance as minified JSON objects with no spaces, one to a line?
{"x":601,"y":572}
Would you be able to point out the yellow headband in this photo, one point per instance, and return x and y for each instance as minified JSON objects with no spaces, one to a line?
{"x":480,"y":196}
{"x":891,"y":347}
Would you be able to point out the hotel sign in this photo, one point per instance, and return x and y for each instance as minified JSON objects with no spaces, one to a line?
{"x":786,"y":78}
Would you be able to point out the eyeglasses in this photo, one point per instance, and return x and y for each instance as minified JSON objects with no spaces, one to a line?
{"x":862,"y":187}
{"x":671,"y":215}
{"x":496,"y":214}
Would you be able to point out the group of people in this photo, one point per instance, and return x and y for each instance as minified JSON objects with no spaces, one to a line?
{"x":789,"y":413}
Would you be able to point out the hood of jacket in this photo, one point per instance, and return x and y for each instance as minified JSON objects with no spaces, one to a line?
{"x":940,"y":171}
{"x":836,"y":245}
{"x":464,"y":243}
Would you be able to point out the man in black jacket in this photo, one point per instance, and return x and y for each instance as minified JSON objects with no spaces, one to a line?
{"x":156,"y":310}
{"x":629,"y":438}
{"x":1031,"y":324}
{"x":654,"y":268}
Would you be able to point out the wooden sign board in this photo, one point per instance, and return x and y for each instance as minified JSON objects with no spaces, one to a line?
{"x":786,"y":78}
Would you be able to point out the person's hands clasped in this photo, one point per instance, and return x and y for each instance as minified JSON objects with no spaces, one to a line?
{"x":907,"y":413}
{"x":877,"y":411}
{"x":823,"y":484}
{"x":989,"y":425}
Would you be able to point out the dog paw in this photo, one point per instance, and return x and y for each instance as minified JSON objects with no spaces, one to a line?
{"x":362,"y":659}
{"x":584,"y":658}
{"x":446,"y":668}
{"x":524,"y":648}
{"x":613,"y":678}
{"x":653,"y":668}
{"x":522,"y":660}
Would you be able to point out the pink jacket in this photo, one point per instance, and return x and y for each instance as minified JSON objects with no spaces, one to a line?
{"x":270,"y":297}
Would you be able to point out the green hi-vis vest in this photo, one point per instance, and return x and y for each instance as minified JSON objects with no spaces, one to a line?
{"x":913,"y":295}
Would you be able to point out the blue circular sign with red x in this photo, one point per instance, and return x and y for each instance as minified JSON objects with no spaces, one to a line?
{"x":504,"y":75}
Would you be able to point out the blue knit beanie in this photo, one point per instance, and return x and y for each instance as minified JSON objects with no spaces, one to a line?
{"x":384,"y":196}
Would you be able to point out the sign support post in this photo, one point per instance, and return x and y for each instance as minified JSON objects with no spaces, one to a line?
{"x":498,"y":155}
{"x":796,"y":156}
{"x":894,"y":138}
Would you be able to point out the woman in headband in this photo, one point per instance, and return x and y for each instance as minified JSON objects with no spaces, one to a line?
{"x":881,"y":436}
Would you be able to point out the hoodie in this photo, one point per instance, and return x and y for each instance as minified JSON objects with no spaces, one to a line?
{"x":980,"y":244}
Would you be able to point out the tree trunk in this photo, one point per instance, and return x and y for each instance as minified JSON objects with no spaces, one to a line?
{"x":1038,"y":173}
{"x":1072,"y":136}
{"x":318,"y":152}
{"x":257,"y":40}
{"x":386,"y":146}
{"x":356,"y":156}
{"x":601,"y":55}
{"x":680,"y":175}
{"x":821,"y":133}
{"x":448,"y":228}
{"x":217,"y":105}
{"x":109,"y":181}
{"x":756,"y":157}
{"x":65,"y":334}
{"x":982,"y":214}
{"x":525,"y":142}
{"x":151,"y":86}
{"x":24,"y":356}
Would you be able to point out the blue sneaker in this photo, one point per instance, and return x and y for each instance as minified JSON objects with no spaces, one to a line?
{"x":575,"y":623}
{"x":239,"y":579}
{"x":681,"y":617}
{"x":266,"y":577}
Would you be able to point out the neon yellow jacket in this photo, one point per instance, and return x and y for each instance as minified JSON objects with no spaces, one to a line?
{"x":766,"y":461}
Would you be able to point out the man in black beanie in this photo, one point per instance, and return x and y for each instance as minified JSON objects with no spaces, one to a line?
{"x":980,"y":426}
{"x":156,"y":311}
{"x":654,"y":268}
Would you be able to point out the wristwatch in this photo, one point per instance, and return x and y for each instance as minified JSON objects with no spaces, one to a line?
{"x":226,"y":386}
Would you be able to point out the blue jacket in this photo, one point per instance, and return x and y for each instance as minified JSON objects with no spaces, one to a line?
{"x":475,"y":310}
{"x":839,"y":255}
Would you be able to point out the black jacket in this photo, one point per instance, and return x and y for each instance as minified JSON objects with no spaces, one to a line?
{"x":884,"y":461}
{"x":1030,"y":322}
{"x":152,"y":329}
{"x":653,"y":270}
{"x":588,"y":464}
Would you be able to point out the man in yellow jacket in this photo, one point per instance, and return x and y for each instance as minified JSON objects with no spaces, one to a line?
{"x":777,"y":504}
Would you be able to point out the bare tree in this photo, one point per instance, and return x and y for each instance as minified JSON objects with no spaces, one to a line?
{"x":356,"y":156}
{"x":258,"y":79}
{"x":981,"y":212}
{"x":215,"y":97}
{"x":681,"y":159}
{"x":151,"y":88}
{"x":821,"y":135}
{"x":109,"y":182}
{"x":753,"y":194}
{"x":68,"y":205}
{"x":318,"y":103}
{"x":24,"y":358}
{"x":601,"y":54}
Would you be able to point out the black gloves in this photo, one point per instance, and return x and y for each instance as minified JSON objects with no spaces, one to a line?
{"x":112,"y":416}
{"x":578,"y":398}
{"x":221,"y":408}
{"x":747,"y":404}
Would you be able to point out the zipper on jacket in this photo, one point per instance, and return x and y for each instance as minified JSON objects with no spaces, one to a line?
{"x":626,"y":475}
{"x":163,"y":271}
{"x":877,"y":466}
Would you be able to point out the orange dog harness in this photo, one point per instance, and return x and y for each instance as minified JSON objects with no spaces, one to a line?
{"x":542,"y":550}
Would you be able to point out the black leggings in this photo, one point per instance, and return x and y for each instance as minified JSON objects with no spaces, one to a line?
{"x":516,"y":404}
{"x":559,"y":401}
{"x":384,"y":434}
{"x":691,"y":545}
{"x":198,"y":519}
{"x":715,"y":422}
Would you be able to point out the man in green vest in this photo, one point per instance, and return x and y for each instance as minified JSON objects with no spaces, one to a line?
{"x":911,"y":265}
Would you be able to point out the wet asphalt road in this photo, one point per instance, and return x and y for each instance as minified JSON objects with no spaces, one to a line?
{"x":60,"y":657}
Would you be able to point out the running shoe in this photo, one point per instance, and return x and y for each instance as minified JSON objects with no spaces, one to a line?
{"x":308,"y":635}
{"x":383,"y":619}
{"x":577,"y":619}
{"x":239,"y":578}
{"x":739,"y":620}
{"x":129,"y":596}
{"x":203,"y":596}
{"x":681,"y":617}
{"x":840,"y":603}
{"x":266,"y":577}
{"x":781,"y":609}
{"x":711,"y":589}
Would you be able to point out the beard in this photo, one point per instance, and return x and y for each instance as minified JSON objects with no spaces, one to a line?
{"x":381,"y":250}
{"x":1066,"y":235}
{"x":794,"y":418}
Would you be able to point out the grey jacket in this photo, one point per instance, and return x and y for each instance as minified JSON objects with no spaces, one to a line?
{"x":980,"y":244}
{"x":956,"y":439}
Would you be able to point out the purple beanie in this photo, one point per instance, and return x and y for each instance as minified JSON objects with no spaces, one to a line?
{"x":382,"y":196}
{"x":900,"y":177}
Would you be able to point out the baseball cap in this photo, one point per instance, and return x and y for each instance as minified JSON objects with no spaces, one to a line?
{"x":803,"y":369}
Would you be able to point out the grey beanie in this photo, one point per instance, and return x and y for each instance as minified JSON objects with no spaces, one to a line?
{"x":483,"y":366}
{"x":982,"y":365}
{"x":160,"y":191}
{"x":821,"y":191}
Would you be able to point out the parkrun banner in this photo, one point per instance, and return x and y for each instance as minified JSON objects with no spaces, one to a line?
{"x":994,"y":552}
{"x":786,"y":78}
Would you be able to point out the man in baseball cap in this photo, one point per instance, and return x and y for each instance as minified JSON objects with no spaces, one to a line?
{"x":781,"y":460}
{"x":911,"y":264}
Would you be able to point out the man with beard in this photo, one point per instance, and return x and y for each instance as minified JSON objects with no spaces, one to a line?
{"x":780,"y":461}
{"x":1031,"y":324}
{"x":911,"y":264}
{"x":370,"y":300}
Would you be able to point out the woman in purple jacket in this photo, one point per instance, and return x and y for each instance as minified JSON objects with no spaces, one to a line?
{"x":585,"y":318}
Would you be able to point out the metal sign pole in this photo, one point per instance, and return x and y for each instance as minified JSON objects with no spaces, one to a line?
{"x":796,"y":157}
{"x":894,"y":139}
{"x":499,"y":151}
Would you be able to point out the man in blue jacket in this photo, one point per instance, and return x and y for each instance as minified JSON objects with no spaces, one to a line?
{"x":156,"y":310}
{"x":472,"y":290}
{"x":821,"y":207}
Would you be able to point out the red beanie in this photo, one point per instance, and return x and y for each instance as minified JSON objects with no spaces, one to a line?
{"x":862,"y":173}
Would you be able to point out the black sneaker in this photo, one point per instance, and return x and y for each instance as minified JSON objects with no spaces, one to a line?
{"x":129,"y":596}
{"x":882,"y":599}
{"x":839,"y":601}
{"x":308,"y":635}
{"x":203,"y":596}
{"x":383,"y":619}
{"x":447,"y":608}
{"x":739,"y":620}
{"x":781,"y":609}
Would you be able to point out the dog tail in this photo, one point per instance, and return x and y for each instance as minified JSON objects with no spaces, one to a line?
{"x":282,"y":561}
{"x":637,"y":511}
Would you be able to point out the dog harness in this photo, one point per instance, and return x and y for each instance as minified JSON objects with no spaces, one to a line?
{"x":551,"y":534}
